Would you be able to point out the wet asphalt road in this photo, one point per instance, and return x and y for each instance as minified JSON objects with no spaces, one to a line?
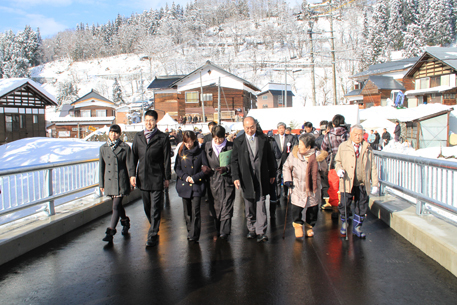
{"x":79,"y":268}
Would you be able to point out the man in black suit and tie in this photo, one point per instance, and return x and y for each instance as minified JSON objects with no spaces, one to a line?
{"x":285,"y":142}
{"x":253,"y":170}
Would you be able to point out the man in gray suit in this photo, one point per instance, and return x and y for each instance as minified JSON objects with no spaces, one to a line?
{"x":285,"y":142}
{"x":253,"y":170}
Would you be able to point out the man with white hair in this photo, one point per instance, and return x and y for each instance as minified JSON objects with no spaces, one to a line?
{"x":357,"y":171}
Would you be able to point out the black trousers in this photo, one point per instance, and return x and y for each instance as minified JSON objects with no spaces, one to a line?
{"x":223,"y":227}
{"x":279,"y":180}
{"x":192,"y":216}
{"x":361,"y":199}
{"x":310,"y":218}
{"x":153,"y":202}
{"x":325,"y":185}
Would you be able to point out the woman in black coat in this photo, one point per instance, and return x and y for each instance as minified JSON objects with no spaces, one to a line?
{"x":190,"y":167}
{"x":116,"y":168}
{"x":220,"y":181}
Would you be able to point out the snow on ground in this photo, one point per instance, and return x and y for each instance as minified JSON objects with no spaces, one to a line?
{"x":34,"y":151}
{"x":430,"y":152}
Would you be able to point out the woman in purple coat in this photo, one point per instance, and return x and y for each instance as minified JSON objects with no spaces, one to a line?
{"x":191,"y":166}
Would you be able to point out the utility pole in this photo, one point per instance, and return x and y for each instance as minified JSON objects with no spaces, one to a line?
{"x":219,"y":102}
{"x":201,"y":97}
{"x":332,"y":40}
{"x":285,"y":86}
{"x":142,"y":96}
{"x":313,"y":77}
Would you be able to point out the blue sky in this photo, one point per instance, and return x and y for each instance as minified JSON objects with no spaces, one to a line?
{"x":52,"y":16}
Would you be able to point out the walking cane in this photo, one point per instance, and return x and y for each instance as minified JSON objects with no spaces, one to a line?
{"x":345,"y":204}
{"x":285,"y":219}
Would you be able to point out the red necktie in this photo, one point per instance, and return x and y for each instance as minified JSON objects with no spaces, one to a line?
{"x":357,"y":153}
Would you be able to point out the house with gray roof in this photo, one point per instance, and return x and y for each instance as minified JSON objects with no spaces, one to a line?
{"x":273,"y":96}
{"x":432,"y":79}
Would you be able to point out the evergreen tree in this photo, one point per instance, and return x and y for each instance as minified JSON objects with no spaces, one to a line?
{"x":410,"y":11}
{"x":378,"y":31}
{"x":396,"y":25}
{"x":66,"y":93}
{"x":414,"y":41}
{"x":117,"y":93}
{"x":439,"y":22}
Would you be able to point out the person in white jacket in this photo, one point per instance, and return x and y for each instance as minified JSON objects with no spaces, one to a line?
{"x":301,"y":174}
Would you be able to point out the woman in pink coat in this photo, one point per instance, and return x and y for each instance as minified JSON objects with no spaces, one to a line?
{"x":301,"y":175}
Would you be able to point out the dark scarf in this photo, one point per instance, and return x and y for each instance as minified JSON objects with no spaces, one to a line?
{"x":149,"y":134}
{"x":311,"y":172}
{"x":113,"y":144}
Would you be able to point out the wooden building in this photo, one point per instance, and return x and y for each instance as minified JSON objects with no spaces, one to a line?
{"x":272,"y":96}
{"x":22,"y":109}
{"x":88,"y":113}
{"x":433,"y":78}
{"x":181,"y":96}
{"x":382,"y":79}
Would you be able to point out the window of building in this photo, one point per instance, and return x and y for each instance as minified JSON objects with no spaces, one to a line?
{"x":265,"y":106}
{"x":14,"y":122}
{"x":207,"y":97}
{"x":445,"y":80}
{"x":35,"y":119}
{"x":435,"y":81}
{"x":425,"y":82}
{"x":449,"y":96}
{"x":192,"y":97}
{"x":100,"y":113}
{"x":9,"y":122}
{"x":85,"y":114}
{"x":280,"y":100}
{"x":21,"y":121}
{"x":264,"y":97}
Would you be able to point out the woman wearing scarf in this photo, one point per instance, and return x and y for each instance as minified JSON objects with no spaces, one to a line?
{"x":301,"y":175}
{"x":116,"y":168}
{"x":220,"y":181}
{"x":190,"y":167}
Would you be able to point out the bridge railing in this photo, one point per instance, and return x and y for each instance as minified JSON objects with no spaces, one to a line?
{"x":26,"y":187}
{"x":428,"y":181}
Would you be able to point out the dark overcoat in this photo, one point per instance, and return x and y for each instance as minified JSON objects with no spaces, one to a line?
{"x":189,"y":163}
{"x":152,"y":160}
{"x":242,"y":169}
{"x":116,"y":168}
{"x":222,"y":186}
{"x":289,"y":141}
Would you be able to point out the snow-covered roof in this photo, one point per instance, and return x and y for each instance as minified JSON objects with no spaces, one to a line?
{"x":437,"y":89}
{"x":447,"y":55}
{"x":270,"y":117}
{"x":92,"y":95}
{"x":83,"y":119}
{"x":8,"y":85}
{"x":403,"y":115}
{"x":354,"y":92}
{"x":277,"y":92}
{"x":397,"y":65}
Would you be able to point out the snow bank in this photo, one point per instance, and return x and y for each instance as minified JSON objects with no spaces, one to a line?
{"x":430,"y":152}
{"x":34,"y":151}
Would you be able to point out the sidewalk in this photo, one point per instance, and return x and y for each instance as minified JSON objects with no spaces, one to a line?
{"x":433,"y":236}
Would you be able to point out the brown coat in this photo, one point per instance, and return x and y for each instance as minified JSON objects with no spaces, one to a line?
{"x":345,"y":160}
{"x":295,"y":169}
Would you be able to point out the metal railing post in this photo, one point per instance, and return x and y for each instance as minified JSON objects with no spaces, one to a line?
{"x":382,"y":188}
{"x":51,"y":210}
{"x":420,"y":205}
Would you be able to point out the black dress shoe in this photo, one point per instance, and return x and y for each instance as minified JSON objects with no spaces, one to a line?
{"x":152,"y":241}
{"x":262,"y":238}
{"x":224,"y":236}
{"x":251,"y":235}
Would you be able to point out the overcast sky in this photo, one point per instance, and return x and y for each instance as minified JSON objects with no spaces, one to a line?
{"x":52,"y":16}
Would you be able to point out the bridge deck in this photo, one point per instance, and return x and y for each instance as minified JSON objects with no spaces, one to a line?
{"x":79,"y":268}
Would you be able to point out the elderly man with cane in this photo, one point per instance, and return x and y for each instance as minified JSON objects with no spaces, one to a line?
{"x":357,"y":170}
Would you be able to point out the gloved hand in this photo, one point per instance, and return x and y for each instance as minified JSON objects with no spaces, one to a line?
{"x":221,"y":170}
{"x":289,"y":184}
{"x":340,"y":173}
{"x":374,"y":190}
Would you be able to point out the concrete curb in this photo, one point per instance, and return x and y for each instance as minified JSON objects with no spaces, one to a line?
{"x":30,"y":236}
{"x":433,"y":236}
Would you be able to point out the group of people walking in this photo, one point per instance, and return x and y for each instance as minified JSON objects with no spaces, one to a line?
{"x":282,"y":166}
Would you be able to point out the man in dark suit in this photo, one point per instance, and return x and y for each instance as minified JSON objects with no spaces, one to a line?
{"x":253,"y":170}
{"x":151,"y":153}
{"x":209,"y":136}
{"x":285,"y":143}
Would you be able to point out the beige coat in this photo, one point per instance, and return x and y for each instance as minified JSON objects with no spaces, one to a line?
{"x":294,"y":170}
{"x":345,"y":160}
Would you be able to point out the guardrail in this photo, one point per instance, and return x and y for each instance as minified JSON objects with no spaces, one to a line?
{"x":429,"y":181}
{"x":26,"y":187}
